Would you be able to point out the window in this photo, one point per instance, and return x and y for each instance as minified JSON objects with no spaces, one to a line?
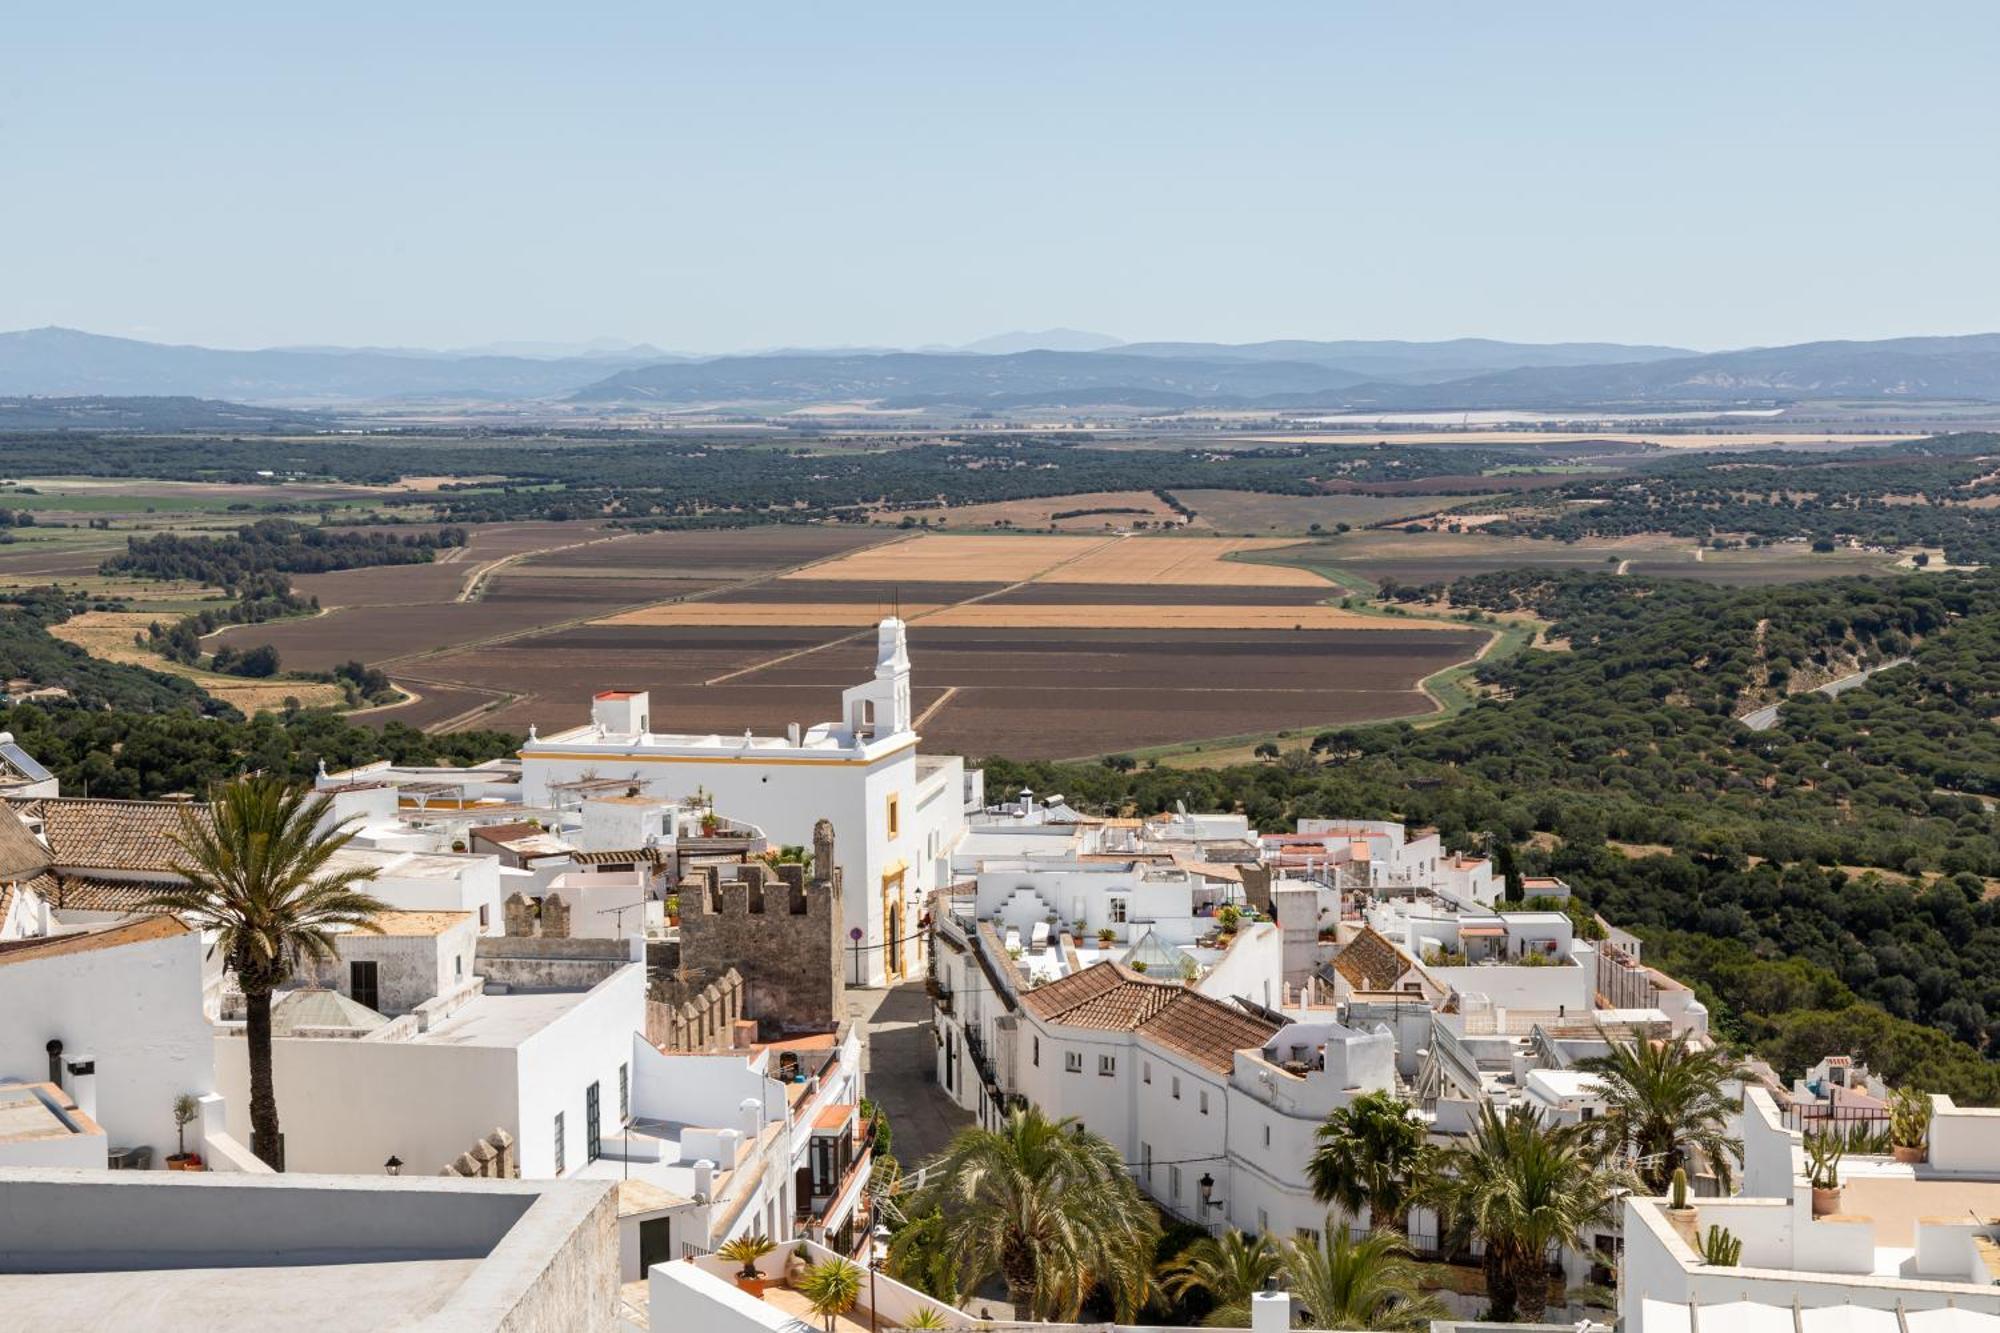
{"x":895,"y":816}
{"x":559,"y":1142}
{"x":1203,"y":1094}
{"x":364,"y":984}
{"x":624,"y":1093}
{"x":1173,"y":1184}
{"x":1177,"y":1087}
{"x":1038,"y":1053}
{"x":593,"y":1134}
{"x":1146,"y":1072}
{"x":1107,"y":1065}
{"x":1590,"y":1113}
{"x":1073,"y":1061}
{"x":458,"y":966}
{"x":1263,"y":1221}
{"x":1267,"y":1135}
{"x":1146,"y":1164}
{"x":1117,"y":911}
{"x":1309,"y":1236}
{"x":483,"y":916}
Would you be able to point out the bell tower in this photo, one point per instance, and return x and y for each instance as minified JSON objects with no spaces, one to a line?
{"x":881,"y":707}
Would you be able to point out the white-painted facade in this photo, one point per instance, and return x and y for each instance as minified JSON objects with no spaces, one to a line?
{"x":897,"y":815}
{"x":132,"y":1013}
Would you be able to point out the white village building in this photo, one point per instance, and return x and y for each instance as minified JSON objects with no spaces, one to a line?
{"x":899,"y":814}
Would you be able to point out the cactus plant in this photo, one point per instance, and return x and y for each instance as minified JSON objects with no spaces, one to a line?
{"x":1680,"y":1187}
{"x":1909,"y":1119}
{"x":1824,"y":1149}
{"x":1720,"y":1248}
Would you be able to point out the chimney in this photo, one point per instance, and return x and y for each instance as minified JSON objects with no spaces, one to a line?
{"x":82,"y":1086}
{"x":704,"y":1180}
{"x":1270,"y":1312}
{"x":792,"y":734}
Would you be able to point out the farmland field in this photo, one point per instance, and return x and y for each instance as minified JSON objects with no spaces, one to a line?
{"x":1034,"y":645}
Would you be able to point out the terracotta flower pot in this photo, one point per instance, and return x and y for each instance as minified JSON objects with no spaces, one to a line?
{"x":1907,"y":1155}
{"x":1825,"y":1202}
{"x":755,"y":1286}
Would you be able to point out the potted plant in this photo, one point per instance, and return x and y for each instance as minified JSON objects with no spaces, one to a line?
{"x":747,"y":1250}
{"x":1823,"y":1153}
{"x":710,"y":825}
{"x":673,"y":907}
{"x":797,"y":1263}
{"x":185,"y":1111}
{"x":831,"y":1288}
{"x":1105,"y":936}
{"x":1228,"y":919}
{"x":1680,"y":1216}
{"x":1909,"y":1125}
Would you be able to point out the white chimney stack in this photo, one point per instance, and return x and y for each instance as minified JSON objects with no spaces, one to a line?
{"x":792,"y":734}
{"x":704,"y":1180}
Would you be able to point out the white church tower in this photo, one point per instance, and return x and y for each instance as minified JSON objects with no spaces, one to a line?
{"x":881,"y":708}
{"x":897,"y":819}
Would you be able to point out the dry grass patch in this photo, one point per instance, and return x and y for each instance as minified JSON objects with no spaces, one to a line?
{"x":108,"y":635}
{"x":956,"y":559}
{"x":1198,"y":562}
{"x":1041,"y":513}
{"x":832,"y":615}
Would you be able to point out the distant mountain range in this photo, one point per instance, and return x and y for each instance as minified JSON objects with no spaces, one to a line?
{"x":1014,"y":370}
{"x":151,"y":415}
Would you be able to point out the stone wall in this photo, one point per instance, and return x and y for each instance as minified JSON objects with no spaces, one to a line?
{"x":780,"y":928}
{"x":542,"y":963}
{"x":703,"y":1022}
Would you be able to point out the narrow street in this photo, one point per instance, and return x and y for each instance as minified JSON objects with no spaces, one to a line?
{"x":901,"y":1067}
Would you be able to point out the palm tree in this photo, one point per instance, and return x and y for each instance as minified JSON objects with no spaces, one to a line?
{"x":256,"y":872}
{"x":1229,"y":1269}
{"x":1524,"y":1189}
{"x":831,"y":1287}
{"x":1048,"y":1208}
{"x":1665,"y":1105}
{"x":1347,"y":1283}
{"x":1371,"y":1152}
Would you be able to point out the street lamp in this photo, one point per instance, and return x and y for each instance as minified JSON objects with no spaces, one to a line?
{"x":394,"y":1166}
{"x":878,"y":1245}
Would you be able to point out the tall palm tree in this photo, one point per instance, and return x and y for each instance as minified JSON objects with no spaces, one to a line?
{"x":1665,"y":1105}
{"x":1524,"y":1189}
{"x":1048,"y":1208}
{"x":1229,"y":1269}
{"x":255,"y":872}
{"x":1346,"y":1283}
{"x":1371,"y":1152}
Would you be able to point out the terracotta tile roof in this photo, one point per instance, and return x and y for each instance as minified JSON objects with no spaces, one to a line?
{"x":90,"y":834}
{"x":1103,"y":995}
{"x":1207,"y":1031}
{"x":506,"y":833}
{"x":651,"y":854}
{"x":89,"y":941}
{"x":1111,"y":998}
{"x":1370,"y":961}
{"x":22,"y":855}
{"x":83,"y":893}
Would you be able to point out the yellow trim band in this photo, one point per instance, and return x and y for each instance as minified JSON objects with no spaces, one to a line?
{"x":611,"y":757}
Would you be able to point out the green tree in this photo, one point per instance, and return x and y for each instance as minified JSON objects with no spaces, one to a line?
{"x":1049,"y":1208}
{"x":1664,"y":1104}
{"x":1524,"y":1189}
{"x":1346,"y":1283}
{"x":256,"y":871}
{"x":1371,"y":1152}
{"x":1508,"y":864}
{"x":1229,"y":1269}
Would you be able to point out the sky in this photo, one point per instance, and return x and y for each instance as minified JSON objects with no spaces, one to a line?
{"x":749,"y":175}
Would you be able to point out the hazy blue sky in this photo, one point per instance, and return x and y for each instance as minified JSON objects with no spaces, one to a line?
{"x":749,"y":174}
